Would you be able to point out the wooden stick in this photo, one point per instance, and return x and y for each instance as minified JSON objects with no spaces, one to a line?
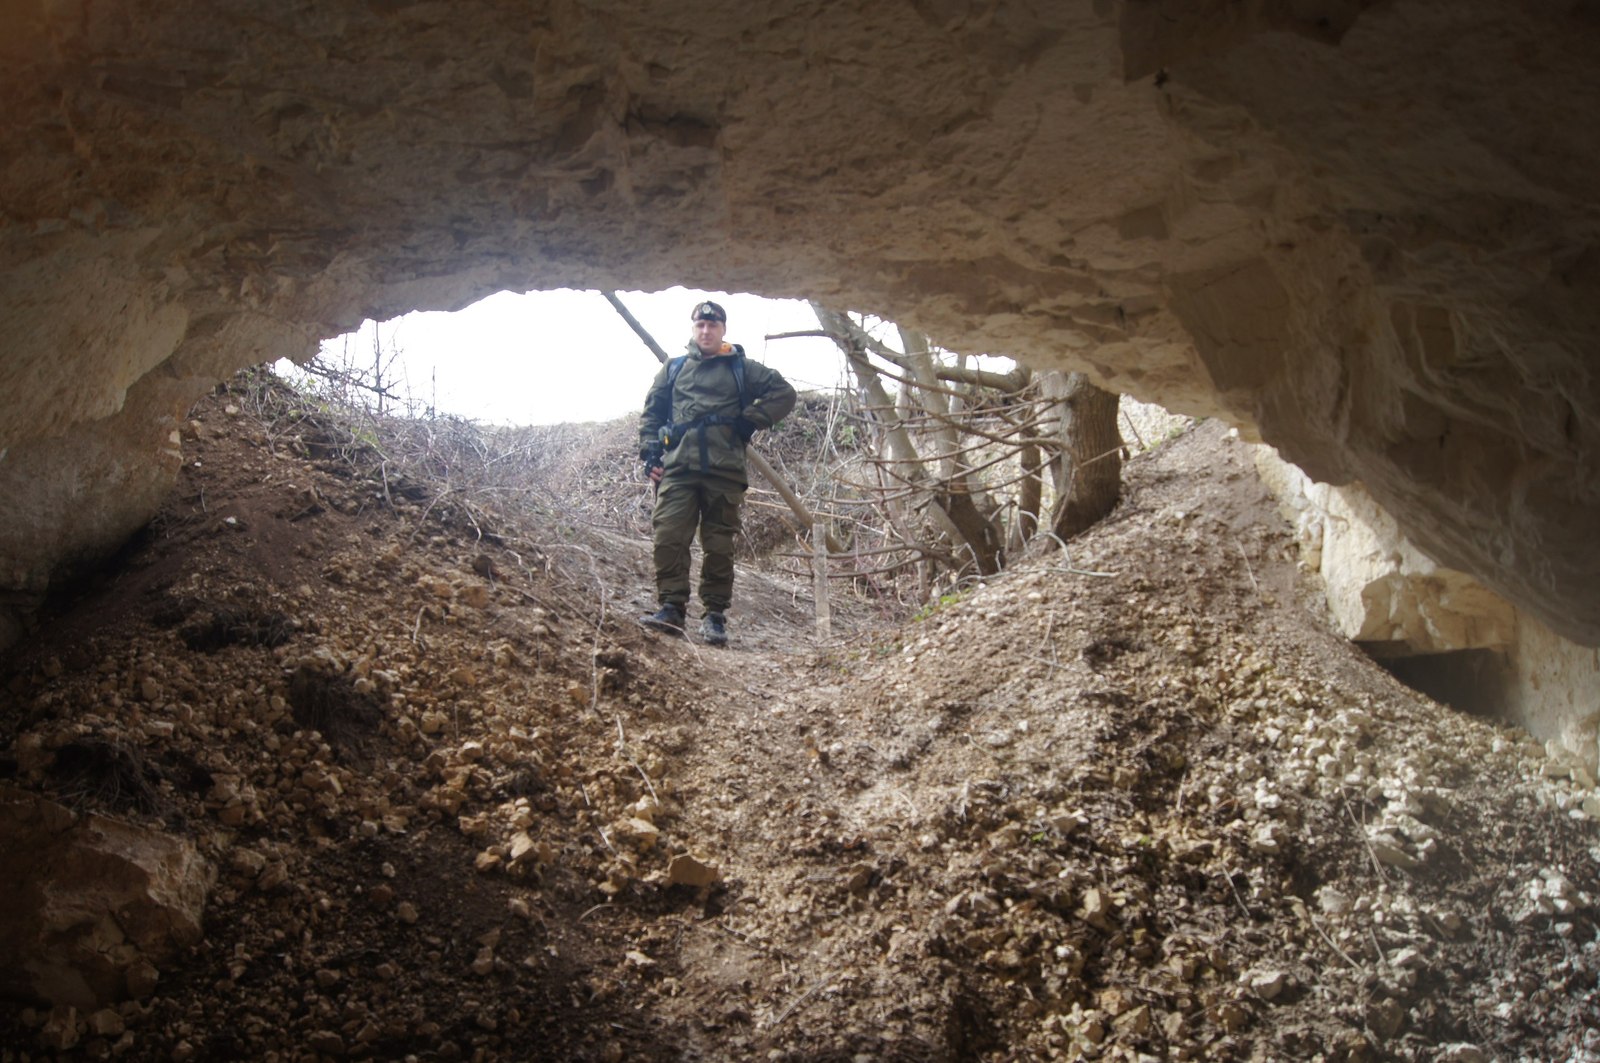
{"x":819,"y":579}
{"x":633,"y":323}
{"x":801,"y":999}
{"x":801,"y":511}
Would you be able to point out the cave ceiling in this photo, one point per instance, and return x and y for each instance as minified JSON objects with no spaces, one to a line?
{"x":1363,"y":232}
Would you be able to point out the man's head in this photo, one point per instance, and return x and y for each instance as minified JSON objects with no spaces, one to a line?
{"x":710,"y":323}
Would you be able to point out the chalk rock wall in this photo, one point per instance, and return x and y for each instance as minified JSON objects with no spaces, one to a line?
{"x":1365,"y":233}
{"x":1383,"y":592}
{"x":1380,"y":588}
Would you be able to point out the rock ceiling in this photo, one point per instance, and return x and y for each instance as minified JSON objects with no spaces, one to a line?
{"x":1365,"y":232}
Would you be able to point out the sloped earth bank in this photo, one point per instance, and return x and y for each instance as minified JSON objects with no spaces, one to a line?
{"x":1135,"y":802}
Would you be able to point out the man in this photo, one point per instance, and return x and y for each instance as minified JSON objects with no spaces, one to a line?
{"x":698,"y":417}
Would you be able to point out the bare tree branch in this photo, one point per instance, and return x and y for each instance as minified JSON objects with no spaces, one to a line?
{"x":633,"y":323}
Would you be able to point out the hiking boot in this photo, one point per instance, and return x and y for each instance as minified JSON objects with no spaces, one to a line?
{"x":669,"y":618}
{"x":714,"y":629}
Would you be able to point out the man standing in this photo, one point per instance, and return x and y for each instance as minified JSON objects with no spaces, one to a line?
{"x":698,"y":417}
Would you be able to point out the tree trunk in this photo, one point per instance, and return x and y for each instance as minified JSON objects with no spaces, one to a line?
{"x":977,"y":532}
{"x":1089,"y":478}
{"x":919,"y":359}
{"x":950,"y":506}
{"x":901,"y":450}
{"x":1030,"y":497}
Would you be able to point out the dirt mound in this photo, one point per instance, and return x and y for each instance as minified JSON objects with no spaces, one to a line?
{"x":1134,"y":801}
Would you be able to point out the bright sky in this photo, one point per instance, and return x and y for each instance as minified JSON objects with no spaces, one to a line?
{"x":567,"y":356}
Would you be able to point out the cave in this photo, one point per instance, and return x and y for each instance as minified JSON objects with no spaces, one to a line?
{"x":1472,"y":681}
{"x":1273,"y":213}
{"x":1362,"y":233}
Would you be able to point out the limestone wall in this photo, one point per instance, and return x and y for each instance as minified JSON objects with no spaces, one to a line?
{"x":1384,"y":592}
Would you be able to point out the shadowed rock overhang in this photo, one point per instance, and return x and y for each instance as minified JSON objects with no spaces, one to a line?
{"x":1366,"y":233}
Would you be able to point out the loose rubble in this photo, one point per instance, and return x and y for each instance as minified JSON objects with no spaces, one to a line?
{"x":1131,"y":802}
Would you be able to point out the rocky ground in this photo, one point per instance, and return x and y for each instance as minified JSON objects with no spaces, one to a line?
{"x":444,"y":799}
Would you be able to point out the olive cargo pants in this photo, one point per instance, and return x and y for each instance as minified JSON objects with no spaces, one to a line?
{"x":685,"y":502}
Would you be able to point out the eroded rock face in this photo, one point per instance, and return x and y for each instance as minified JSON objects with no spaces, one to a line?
{"x":1365,"y":233}
{"x":97,"y":906}
{"x":1383,"y":592}
{"x":1379,"y":587}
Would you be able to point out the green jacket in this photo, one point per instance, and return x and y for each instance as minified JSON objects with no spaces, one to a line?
{"x":706,"y":388}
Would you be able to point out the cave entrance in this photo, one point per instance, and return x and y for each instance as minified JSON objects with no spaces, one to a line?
{"x":553,"y":357}
{"x":1474,"y":681}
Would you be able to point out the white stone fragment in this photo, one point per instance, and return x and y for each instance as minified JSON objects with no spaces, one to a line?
{"x":1268,"y":983}
{"x":1408,"y":959}
{"x":1333,"y":902}
{"x":1461,"y":1052}
{"x":1387,"y":850}
{"x":1267,"y":838}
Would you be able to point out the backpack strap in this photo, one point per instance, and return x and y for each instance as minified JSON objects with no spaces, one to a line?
{"x":672,"y":433}
{"x":664,"y":404}
{"x":675,"y":367}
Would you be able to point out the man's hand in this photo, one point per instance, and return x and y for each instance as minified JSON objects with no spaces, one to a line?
{"x":652,"y":457}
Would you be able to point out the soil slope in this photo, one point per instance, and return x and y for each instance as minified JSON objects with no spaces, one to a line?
{"x":1131,"y":802}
